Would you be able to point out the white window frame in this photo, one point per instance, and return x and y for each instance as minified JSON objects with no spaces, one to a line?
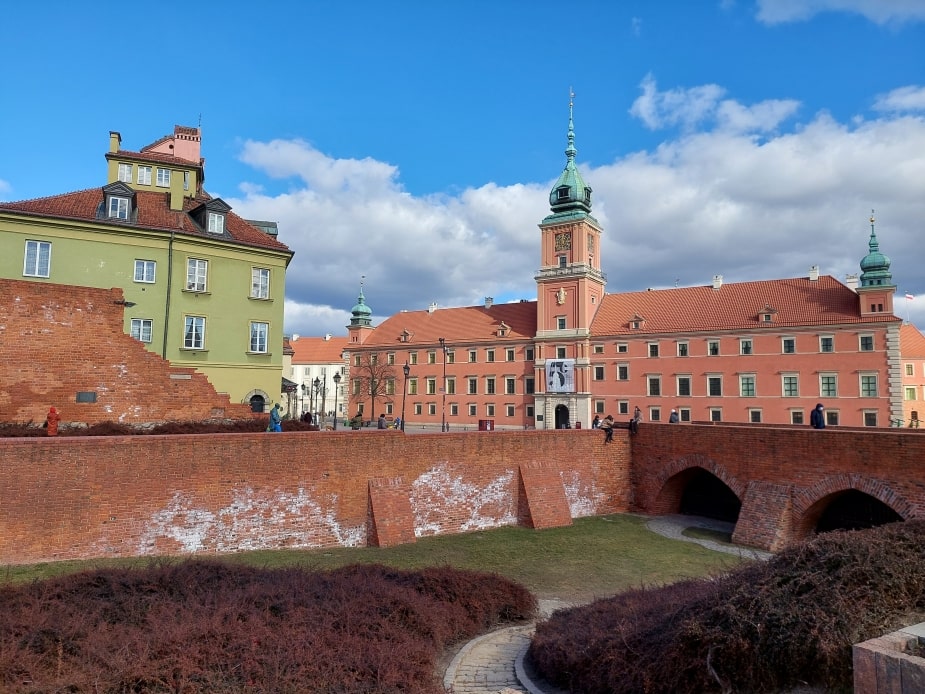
{"x":144,"y":175}
{"x":746,"y":346}
{"x":863,"y":389}
{"x":194,"y":332}
{"x":684,"y":349}
{"x":260,"y":334}
{"x":216,"y":223}
{"x":473,"y":409}
{"x":145,"y":271}
{"x":260,"y":283}
{"x":163,"y":177}
{"x":822,"y":390}
{"x":751,"y":380}
{"x":197,"y":272}
{"x":37,"y":259}
{"x":654,"y":379}
{"x":783,"y":345}
{"x":690,"y":385}
{"x":786,"y":379}
{"x":125,"y":173}
{"x":831,"y":339}
{"x":118,"y":207}
{"x":142,"y":329}
{"x":862,"y":338}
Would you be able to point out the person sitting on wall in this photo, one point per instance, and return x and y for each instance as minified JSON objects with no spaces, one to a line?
{"x":607,"y":426}
{"x":596,"y":422}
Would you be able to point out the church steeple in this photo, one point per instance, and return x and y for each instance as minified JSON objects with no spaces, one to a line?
{"x":361,"y":324}
{"x":570,"y":194}
{"x":875,"y":267}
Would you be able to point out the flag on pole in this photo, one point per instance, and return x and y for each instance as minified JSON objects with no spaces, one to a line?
{"x":910,"y":297}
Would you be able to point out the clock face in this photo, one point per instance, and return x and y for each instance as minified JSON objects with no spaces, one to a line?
{"x":563,"y":241}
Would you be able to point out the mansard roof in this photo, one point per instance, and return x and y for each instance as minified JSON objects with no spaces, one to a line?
{"x":154,"y":214}
{"x":463,"y":325}
{"x":733,"y":306}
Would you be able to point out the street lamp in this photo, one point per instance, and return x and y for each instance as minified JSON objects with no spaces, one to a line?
{"x":317,"y":384}
{"x":324,"y":396}
{"x":443,"y":416}
{"x":336,"y":387}
{"x":302,"y":403}
{"x":407,"y":370}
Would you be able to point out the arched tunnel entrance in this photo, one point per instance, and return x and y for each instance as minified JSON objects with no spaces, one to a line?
{"x":854,"y":510}
{"x":704,"y":494}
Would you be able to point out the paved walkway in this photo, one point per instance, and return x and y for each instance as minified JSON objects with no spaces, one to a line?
{"x":494,"y":663}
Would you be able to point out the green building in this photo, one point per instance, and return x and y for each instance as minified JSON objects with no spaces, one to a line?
{"x":203,"y":287}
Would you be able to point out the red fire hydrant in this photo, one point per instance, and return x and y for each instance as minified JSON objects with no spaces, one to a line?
{"x":51,"y":422}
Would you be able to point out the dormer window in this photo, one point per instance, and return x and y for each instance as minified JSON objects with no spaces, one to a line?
{"x":768,"y":314}
{"x":637,"y":322}
{"x":503,"y":330}
{"x":588,"y":196}
{"x":405,"y":336}
{"x":216,"y":223}
{"x":118,"y":208}
{"x":562,"y":193}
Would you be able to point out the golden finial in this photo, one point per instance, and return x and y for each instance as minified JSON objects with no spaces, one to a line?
{"x":871,"y":216}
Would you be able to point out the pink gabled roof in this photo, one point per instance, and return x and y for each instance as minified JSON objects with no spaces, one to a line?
{"x":467,"y":324}
{"x":154,"y":213}
{"x":318,"y":350}
{"x":911,"y":341}
{"x":733,"y":306}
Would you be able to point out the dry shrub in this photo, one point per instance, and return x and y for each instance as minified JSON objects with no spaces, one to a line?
{"x":764,"y":627}
{"x":212,"y":627}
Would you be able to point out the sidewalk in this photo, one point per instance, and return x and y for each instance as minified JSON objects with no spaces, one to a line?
{"x":494,"y":662}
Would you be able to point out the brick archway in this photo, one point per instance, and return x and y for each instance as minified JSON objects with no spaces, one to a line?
{"x":671,"y":481}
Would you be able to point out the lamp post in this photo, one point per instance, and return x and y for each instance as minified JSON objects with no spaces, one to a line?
{"x":336,"y":388}
{"x":443,"y":389}
{"x":324,"y":395}
{"x":317,"y":388}
{"x":407,"y":370}
{"x":302,"y":402}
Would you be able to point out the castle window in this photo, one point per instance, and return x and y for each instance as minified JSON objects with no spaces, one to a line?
{"x":196,"y":273}
{"x":623,"y":372}
{"x":713,"y":348}
{"x":867,"y":343}
{"x":683,"y":349}
{"x":655,"y":385}
{"x":684,"y":386}
{"x":510,"y":354}
{"x":598,"y":373}
{"x":745,"y":346}
{"x":563,"y":261}
{"x":747,"y":385}
{"x":868,"y":385}
{"x":144,"y":175}
{"x":827,"y":344}
{"x":510,"y":386}
{"x":125,"y":173}
{"x":194,"y":332}
{"x":560,"y":323}
{"x":788,"y":345}
{"x":870,"y":418}
{"x":260,"y":283}
{"x":653,"y":349}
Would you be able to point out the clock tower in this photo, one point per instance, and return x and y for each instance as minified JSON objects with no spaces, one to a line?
{"x":569,"y":290}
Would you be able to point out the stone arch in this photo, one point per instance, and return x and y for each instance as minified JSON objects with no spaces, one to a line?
{"x":806,"y":503}
{"x":672,"y":480}
{"x":256,"y":394}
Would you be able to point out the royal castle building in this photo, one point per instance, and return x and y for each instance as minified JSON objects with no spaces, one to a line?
{"x":761,"y":352}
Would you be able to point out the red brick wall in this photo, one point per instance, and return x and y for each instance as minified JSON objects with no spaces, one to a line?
{"x":57,"y":340}
{"x":783,"y":476}
{"x":137,"y":495}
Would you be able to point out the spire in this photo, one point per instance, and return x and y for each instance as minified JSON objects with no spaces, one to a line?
{"x":570,"y":194}
{"x":875,"y":267}
{"x":361,"y":313}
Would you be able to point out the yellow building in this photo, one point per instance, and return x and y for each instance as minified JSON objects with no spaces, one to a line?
{"x":203,"y":287}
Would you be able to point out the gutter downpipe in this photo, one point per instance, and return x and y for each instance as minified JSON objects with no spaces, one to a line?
{"x":169,"y":284}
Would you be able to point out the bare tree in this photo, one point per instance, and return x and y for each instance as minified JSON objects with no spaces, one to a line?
{"x":374,"y":378}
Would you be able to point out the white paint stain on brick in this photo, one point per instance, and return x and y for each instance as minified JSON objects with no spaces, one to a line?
{"x":443,"y":503}
{"x":266,"y":520}
{"x":583,"y":497}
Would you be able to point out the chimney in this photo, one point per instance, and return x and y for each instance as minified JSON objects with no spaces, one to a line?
{"x":852,"y":282}
{"x":489,"y":301}
{"x":432,"y":307}
{"x":814,"y":273}
{"x":717,"y":281}
{"x":327,"y":336}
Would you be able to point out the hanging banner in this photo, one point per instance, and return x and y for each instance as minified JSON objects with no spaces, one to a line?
{"x":560,"y":376}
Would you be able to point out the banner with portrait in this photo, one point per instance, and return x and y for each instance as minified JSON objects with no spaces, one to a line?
{"x":560,"y":375}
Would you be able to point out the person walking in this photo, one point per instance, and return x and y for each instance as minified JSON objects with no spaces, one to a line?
{"x":817,"y":418}
{"x":382,"y":424}
{"x":276,"y":420}
{"x":607,"y":426}
{"x":673,"y":418}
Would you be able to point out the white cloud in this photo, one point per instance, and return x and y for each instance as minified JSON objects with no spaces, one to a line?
{"x":904,"y":99}
{"x":877,"y":11}
{"x":709,"y":201}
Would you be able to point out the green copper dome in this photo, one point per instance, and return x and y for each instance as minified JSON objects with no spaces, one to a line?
{"x":875,"y":266}
{"x":570,"y":194}
{"x":361,"y":313}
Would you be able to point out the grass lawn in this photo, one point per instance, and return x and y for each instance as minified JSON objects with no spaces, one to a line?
{"x":594,"y":557}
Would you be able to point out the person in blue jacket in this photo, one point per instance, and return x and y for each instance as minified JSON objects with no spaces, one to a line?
{"x":276,"y":423}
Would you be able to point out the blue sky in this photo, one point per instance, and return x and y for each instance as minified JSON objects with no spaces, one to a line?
{"x":413,"y":143}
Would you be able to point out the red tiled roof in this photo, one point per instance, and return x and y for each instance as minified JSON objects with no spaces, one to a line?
{"x":150,"y":156}
{"x":317,"y":350}
{"x":468,"y":324}
{"x":911,"y":341}
{"x":734,"y":306}
{"x":154,"y":213}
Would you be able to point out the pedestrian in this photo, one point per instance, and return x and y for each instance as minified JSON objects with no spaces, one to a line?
{"x":596,"y":422}
{"x":276,"y":420}
{"x":51,"y":422}
{"x":397,"y":424}
{"x":817,"y":418}
{"x":382,"y":424}
{"x":607,"y":426}
{"x":634,"y":422}
{"x":673,"y":418}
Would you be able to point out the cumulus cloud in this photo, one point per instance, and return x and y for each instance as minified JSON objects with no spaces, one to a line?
{"x":904,"y":99}
{"x":712,"y":199}
{"x":878,"y":11}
